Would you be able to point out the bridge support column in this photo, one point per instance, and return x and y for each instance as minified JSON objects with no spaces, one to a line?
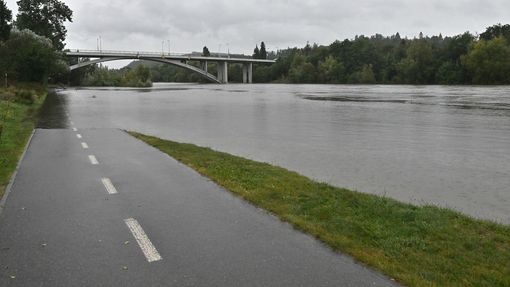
{"x":223,"y":72}
{"x":248,"y":73}
{"x":204,"y":66}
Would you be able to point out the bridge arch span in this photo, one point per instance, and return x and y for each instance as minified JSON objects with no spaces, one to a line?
{"x":202,"y":73}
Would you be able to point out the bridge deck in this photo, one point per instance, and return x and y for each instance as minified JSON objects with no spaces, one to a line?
{"x":168,"y":56}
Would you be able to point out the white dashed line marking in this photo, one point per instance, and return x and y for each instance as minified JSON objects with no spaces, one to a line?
{"x":145,"y":244}
{"x":108,"y":185}
{"x":75,"y":129}
{"x":84,"y":145}
{"x":93,"y":159}
{"x":78,"y":136}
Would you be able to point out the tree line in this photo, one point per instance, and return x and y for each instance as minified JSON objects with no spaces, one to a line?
{"x":460,"y":59}
{"x":463,"y":59}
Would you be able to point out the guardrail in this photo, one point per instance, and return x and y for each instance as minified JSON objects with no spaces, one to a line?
{"x":125,"y":52}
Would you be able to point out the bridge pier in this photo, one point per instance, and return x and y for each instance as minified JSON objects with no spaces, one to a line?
{"x":204,"y":66}
{"x":223,"y":72}
{"x":248,"y":73}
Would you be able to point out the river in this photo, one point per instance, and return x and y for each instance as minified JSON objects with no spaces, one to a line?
{"x":441,"y":145}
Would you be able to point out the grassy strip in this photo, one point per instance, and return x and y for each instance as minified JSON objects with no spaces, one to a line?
{"x":418,"y":246}
{"x":17,"y":120}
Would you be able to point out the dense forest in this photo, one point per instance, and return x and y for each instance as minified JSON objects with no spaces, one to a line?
{"x":463,"y":59}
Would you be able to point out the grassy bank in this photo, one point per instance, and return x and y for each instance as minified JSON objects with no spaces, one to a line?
{"x":18,"y":108}
{"x":418,"y":246}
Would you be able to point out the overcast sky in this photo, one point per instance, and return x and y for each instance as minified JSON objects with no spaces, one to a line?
{"x":238,"y":25}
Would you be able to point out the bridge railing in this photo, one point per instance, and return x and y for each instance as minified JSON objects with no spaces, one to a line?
{"x":120,"y":52}
{"x":126,"y":52}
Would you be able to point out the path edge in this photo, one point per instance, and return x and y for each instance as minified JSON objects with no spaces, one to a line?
{"x":13,"y":176}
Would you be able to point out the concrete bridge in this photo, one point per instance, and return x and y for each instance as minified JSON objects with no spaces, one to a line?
{"x":179,"y":60}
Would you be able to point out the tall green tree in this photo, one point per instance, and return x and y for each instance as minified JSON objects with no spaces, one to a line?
{"x":496,"y":31}
{"x":29,"y":57}
{"x":331,"y":71}
{"x":45,"y":18}
{"x":5,"y":21}
{"x":256,"y":52}
{"x":488,"y":62}
{"x":417,"y":67}
{"x":262,"y":52}
{"x":205,"y":52}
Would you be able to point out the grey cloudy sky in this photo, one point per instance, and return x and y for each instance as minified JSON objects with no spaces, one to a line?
{"x":239,"y":25}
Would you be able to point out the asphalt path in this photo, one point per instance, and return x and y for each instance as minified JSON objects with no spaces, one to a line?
{"x":97,"y":207}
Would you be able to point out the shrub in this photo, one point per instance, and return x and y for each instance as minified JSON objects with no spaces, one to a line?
{"x":24,"y":97}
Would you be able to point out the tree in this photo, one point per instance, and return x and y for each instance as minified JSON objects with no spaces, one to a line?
{"x":331,"y":71}
{"x":262,"y":52}
{"x":29,"y":57}
{"x":364,"y":76}
{"x":495,"y":32}
{"x":458,"y":46}
{"x":256,"y":52}
{"x":417,"y":67}
{"x":205,"y":52}
{"x":45,"y":18}
{"x":143,"y":73}
{"x":5,"y":21}
{"x":302,"y":71}
{"x":488,"y":62}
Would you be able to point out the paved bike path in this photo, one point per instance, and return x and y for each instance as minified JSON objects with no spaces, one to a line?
{"x":155,"y":223}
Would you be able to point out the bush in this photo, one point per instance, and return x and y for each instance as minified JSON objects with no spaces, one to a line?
{"x":6,"y":95}
{"x":26,"y":97}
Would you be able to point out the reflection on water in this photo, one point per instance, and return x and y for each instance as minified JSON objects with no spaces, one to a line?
{"x":53,"y":112}
{"x":443,"y":145}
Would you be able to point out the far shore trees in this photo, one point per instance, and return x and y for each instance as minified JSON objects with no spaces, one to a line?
{"x":205,"y":52}
{"x":488,"y":62}
{"x":463,"y":59}
{"x":260,"y":53}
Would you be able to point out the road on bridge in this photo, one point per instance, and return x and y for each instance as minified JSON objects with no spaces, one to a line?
{"x":97,"y":207}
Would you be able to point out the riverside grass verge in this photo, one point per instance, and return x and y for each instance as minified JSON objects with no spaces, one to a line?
{"x":18,"y":109}
{"x":416,"y":245}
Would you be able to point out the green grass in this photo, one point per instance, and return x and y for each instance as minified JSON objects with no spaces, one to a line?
{"x":17,"y":118}
{"x":418,"y":246}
